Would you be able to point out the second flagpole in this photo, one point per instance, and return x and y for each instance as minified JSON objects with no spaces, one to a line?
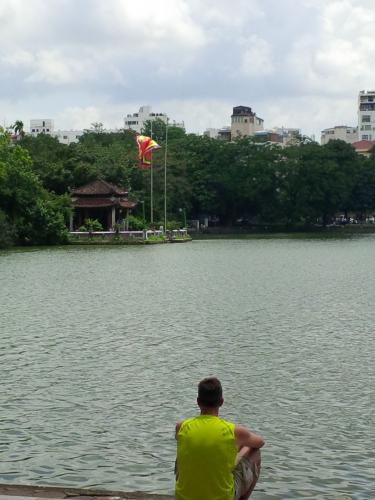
{"x":151,"y":188}
{"x":165,"y":177}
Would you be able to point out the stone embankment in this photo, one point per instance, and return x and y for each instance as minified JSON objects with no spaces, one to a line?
{"x":17,"y":492}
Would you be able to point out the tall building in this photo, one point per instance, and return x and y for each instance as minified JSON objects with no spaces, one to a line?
{"x":342,"y":132}
{"x":136,"y":121}
{"x":366,"y":115}
{"x":42,"y":126}
{"x":244,"y":122}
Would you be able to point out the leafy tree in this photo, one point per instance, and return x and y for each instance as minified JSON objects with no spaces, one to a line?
{"x":18,"y":128}
{"x":32,"y":215}
{"x":157,"y":129}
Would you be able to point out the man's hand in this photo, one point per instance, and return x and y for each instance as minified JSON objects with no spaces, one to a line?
{"x":246,"y":438}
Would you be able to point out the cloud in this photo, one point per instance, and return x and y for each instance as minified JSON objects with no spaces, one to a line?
{"x":336,"y":60}
{"x":77,"y":118}
{"x":257,"y":58}
{"x":152,"y":31}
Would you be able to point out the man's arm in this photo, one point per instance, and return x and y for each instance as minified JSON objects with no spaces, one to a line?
{"x":246,"y":438}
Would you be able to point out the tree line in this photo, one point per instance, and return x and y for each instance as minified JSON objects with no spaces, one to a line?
{"x":240,"y":180}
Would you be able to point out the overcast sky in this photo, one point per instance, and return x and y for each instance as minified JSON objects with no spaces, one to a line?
{"x":297,"y":63}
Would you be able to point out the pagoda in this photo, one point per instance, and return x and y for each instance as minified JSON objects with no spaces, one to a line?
{"x":100,"y":200}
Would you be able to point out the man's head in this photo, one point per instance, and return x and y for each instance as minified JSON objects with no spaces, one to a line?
{"x":210,"y":393}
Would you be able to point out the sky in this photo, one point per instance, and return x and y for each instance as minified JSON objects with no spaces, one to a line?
{"x":296,"y":63}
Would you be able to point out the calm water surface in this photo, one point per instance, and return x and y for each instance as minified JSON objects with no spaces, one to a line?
{"x":101,"y":350}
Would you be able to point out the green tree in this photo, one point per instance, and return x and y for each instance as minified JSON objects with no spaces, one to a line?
{"x":30,"y":214}
{"x":158,"y":128}
{"x":18,"y":128}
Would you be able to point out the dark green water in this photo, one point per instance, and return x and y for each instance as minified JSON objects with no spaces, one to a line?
{"x":101,"y":349}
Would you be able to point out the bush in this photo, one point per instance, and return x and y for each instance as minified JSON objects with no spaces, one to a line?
{"x":174,"y":224}
{"x":91,"y":225}
{"x":136,"y":223}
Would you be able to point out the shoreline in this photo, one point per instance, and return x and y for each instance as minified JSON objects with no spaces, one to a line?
{"x":59,"y":492}
{"x":222,"y":233}
{"x":284,"y":232}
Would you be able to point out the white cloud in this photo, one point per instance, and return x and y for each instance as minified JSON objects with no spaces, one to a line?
{"x":51,"y":66}
{"x":78,"y":118}
{"x":224,"y":15}
{"x":257,"y":58}
{"x":149,"y":25}
{"x":18,"y":58}
{"x":337,"y":59}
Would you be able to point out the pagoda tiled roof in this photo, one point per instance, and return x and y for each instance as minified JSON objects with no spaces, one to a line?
{"x":99,"y":188}
{"x":102,"y":202}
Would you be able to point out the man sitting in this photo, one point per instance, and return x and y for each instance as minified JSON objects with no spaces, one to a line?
{"x":216,"y":459}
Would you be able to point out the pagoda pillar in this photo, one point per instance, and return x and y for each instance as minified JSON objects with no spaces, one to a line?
{"x":113,"y":217}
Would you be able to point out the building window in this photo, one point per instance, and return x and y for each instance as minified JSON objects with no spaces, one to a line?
{"x":365,"y":137}
{"x":65,"y":136}
{"x":366,"y":118}
{"x":47,"y":129}
{"x":44,"y":124}
{"x":33,"y":130}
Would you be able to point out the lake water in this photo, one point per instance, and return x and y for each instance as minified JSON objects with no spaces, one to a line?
{"x":101,"y":349}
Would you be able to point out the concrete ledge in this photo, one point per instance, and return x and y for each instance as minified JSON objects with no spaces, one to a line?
{"x":19,"y":492}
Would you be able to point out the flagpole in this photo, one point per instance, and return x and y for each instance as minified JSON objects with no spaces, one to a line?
{"x":165,"y":177}
{"x":151,"y":187}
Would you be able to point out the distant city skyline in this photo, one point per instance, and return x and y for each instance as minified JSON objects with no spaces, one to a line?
{"x":296,"y":64}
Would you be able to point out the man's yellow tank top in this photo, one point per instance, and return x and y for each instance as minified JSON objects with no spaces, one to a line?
{"x":206,"y":452}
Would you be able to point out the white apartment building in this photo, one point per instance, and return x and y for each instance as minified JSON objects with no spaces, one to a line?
{"x":42,"y":126}
{"x":68,"y":136}
{"x":136,"y":121}
{"x":342,"y":132}
{"x":244,"y":122}
{"x":366,"y":115}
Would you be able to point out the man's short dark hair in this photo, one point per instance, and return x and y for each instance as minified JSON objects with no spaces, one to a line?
{"x":210,"y":392}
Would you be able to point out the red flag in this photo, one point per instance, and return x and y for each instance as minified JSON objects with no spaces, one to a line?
{"x":146,"y":146}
